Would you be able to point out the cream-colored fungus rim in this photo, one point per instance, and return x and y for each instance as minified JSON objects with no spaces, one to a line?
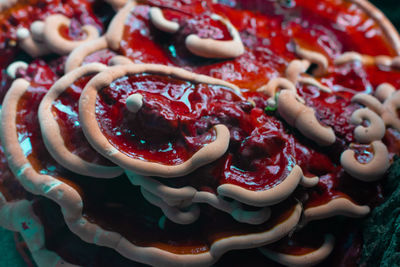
{"x":78,"y":55}
{"x":44,"y":37}
{"x":270,"y":196}
{"x":295,"y":73}
{"x":374,"y":131}
{"x":71,"y":205}
{"x":210,"y":48}
{"x":388,"y":29}
{"x":314,"y":57}
{"x":30,"y":45}
{"x":387,"y":110}
{"x":188,"y":195}
{"x":51,"y":131}
{"x":292,"y":107}
{"x":160,"y":22}
{"x":386,"y":61}
{"x":18,"y":216}
{"x":14,"y":215}
{"x":371,"y":171}
{"x":13,"y":67}
{"x":115,"y":31}
{"x":176,"y":214}
{"x":380,"y":116}
{"x":338,"y":206}
{"x":90,"y":126}
{"x":58,"y":44}
{"x":114,"y":36}
{"x":119,"y":60}
{"x":303,"y":118}
{"x":167,"y":197}
{"x":309,"y":259}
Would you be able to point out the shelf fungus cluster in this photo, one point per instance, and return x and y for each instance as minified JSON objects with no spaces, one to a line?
{"x":193,"y":133}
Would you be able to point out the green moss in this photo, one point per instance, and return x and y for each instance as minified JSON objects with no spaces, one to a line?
{"x":8,"y":253}
{"x":382,"y":227}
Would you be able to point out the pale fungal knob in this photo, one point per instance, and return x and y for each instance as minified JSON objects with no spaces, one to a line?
{"x":370,"y":171}
{"x":23,"y":33}
{"x":37,"y":29}
{"x":160,"y":22}
{"x":13,"y":67}
{"x":366,"y":134}
{"x":134,"y":102}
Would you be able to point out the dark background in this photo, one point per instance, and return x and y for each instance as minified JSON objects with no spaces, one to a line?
{"x":391,"y":8}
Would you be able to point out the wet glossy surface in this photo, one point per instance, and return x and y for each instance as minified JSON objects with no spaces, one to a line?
{"x":338,"y":184}
{"x":166,"y":128}
{"x":65,"y":110}
{"x":333,"y":110}
{"x":263,"y":149}
{"x":260,"y":62}
{"x":116,"y":205}
{"x":330,"y":27}
{"x":268,"y":32}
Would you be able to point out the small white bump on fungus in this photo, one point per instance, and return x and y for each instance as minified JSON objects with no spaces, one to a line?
{"x":23,"y":33}
{"x":37,"y":29}
{"x":13,"y":67}
{"x":134,"y":102}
